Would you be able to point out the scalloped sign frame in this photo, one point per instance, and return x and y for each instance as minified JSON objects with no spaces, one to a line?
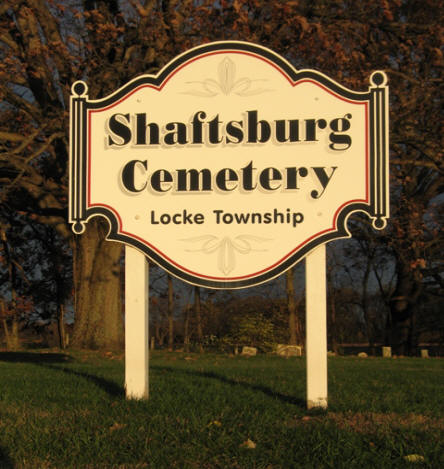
{"x":229,"y":166}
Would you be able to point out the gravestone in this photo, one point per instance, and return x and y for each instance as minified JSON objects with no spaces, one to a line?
{"x":249,"y":351}
{"x":284,"y":350}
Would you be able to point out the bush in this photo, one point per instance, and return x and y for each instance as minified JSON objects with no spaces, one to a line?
{"x":251,"y":329}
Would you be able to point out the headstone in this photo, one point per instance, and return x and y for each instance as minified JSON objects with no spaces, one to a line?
{"x":387,"y":352}
{"x":424,"y":353}
{"x":249,"y":351}
{"x":284,"y":350}
{"x":362,"y":355}
{"x":331,"y":354}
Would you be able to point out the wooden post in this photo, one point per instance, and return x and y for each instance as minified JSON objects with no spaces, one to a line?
{"x":136,"y":324}
{"x":316,"y":328}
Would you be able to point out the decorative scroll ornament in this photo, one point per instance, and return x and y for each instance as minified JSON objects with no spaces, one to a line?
{"x":226,"y":248}
{"x":227,"y":83}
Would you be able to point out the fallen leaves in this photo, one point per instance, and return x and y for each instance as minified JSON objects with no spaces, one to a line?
{"x":372,"y":422}
{"x":249,"y":444}
{"x":117,"y":426}
{"x":414,"y":458}
{"x":215,"y":423}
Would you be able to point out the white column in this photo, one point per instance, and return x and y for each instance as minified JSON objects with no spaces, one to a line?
{"x":136,"y":324}
{"x":316,"y":328}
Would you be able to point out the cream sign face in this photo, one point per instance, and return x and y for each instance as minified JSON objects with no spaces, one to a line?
{"x":229,"y":166}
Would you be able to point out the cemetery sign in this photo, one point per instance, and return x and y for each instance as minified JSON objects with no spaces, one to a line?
{"x":229,"y":166}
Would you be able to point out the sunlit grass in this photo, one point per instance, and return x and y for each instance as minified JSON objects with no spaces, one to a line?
{"x":69,"y":410}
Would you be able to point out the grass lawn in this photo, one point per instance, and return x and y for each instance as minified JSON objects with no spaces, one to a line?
{"x":214,"y":411}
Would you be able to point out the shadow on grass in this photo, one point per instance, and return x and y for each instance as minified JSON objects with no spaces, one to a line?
{"x":251,"y":386}
{"x":5,"y":461}
{"x":51,"y":360}
{"x":110,"y":387}
{"x":34,"y":357}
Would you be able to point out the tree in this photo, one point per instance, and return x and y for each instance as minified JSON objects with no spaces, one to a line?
{"x":294,"y":321}
{"x":12,"y":312}
{"x":39,"y":62}
{"x":198,"y":314}
{"x":170,"y":314}
{"x":52,"y":285}
{"x":47,"y":45}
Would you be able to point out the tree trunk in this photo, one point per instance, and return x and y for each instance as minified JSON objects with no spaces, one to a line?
{"x":365,"y":308}
{"x":98,"y":302}
{"x":294,"y":324}
{"x":186,"y":329}
{"x":4,"y":322}
{"x":331,"y":313}
{"x":170,"y":314}
{"x":11,"y":336}
{"x":61,"y":326}
{"x":407,"y":292}
{"x":14,"y":343}
{"x":157,"y":332}
{"x":12,"y":340}
{"x":197,"y":311}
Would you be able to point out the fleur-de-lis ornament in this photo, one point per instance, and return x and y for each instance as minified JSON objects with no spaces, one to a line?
{"x":226,"y":83}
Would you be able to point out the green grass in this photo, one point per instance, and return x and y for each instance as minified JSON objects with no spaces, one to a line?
{"x":69,"y":411}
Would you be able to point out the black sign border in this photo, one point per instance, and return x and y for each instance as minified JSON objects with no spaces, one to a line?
{"x":377,"y":209}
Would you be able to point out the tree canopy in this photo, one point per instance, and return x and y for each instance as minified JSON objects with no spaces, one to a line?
{"x":46,"y":45}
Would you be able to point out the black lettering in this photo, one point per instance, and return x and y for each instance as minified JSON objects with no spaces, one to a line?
{"x":153,"y":218}
{"x":235,"y":130}
{"x":178,"y":133}
{"x":253,"y":124}
{"x":225,"y":176}
{"x":218,"y":214}
{"x":141,"y":131}
{"x":165,"y":219}
{"x":128,"y":176}
{"x":199,"y":218}
{"x":278,"y":216}
{"x":247,"y":177}
{"x":267,"y":176}
{"x":323,"y":178}
{"x":213,"y":126}
{"x":281,"y":130}
{"x":119,"y":129}
{"x":297,"y":218}
{"x":292,"y":178}
{"x":267,"y":218}
{"x":340,"y":141}
{"x":197,"y":126}
{"x":310,"y":128}
{"x":193,"y":180}
{"x":158,"y":178}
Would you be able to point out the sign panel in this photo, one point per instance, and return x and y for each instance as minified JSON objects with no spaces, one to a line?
{"x":229,"y":166}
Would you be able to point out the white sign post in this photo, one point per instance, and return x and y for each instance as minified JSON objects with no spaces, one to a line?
{"x":136,"y":324}
{"x":227,"y":168}
{"x":316,"y":328}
